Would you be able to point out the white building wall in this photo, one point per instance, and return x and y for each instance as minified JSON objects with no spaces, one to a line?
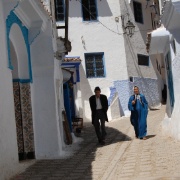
{"x":89,"y":37}
{"x":170,"y":124}
{"x":46,"y":112}
{"x":174,"y":126}
{"x":8,"y":141}
{"x":47,"y":118}
{"x":145,"y":77}
{"x":170,"y":20}
{"x":137,"y":43}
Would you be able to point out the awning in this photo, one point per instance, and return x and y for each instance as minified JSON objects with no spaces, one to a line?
{"x":72,"y":59}
{"x":74,"y":63}
{"x":159,"y":40}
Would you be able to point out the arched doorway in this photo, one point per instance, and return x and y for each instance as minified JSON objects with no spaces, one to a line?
{"x":19,"y":63}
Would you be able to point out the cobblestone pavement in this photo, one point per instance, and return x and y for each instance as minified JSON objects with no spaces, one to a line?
{"x":122,"y":158}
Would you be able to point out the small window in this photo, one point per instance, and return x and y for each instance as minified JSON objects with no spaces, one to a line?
{"x":94,"y":65}
{"x":138,"y":15}
{"x":131,"y":79}
{"x":143,"y":60}
{"x":59,"y":10}
{"x":89,"y":10}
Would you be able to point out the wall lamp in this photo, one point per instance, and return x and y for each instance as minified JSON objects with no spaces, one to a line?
{"x":128,"y":27}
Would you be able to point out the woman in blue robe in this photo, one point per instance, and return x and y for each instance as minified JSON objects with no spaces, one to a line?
{"x":139,"y":110}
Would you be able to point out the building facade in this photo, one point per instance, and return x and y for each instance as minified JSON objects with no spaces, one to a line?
{"x":110,"y":58}
{"x":165,"y":45}
{"x":30,"y":108}
{"x":141,"y":68}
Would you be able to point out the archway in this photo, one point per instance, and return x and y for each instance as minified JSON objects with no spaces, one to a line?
{"x":19,"y":63}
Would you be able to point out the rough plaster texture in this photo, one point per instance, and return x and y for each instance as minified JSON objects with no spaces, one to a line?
{"x":88,"y":37}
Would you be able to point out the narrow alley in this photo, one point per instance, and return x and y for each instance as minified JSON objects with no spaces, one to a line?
{"x":123,"y":156}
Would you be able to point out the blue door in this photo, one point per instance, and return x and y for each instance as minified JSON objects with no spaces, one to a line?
{"x":67,"y":104}
{"x":170,"y":79}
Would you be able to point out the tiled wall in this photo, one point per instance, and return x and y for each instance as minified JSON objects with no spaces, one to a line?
{"x":23,"y":114}
{"x":18,"y":117}
{"x":147,"y":86}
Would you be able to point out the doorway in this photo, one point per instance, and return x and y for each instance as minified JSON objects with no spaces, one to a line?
{"x":19,"y":59}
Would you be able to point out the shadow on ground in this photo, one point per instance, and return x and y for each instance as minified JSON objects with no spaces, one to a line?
{"x":79,"y":166}
{"x":150,"y":136}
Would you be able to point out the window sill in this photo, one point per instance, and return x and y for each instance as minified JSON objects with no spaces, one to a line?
{"x":95,"y":77}
{"x":90,"y":21}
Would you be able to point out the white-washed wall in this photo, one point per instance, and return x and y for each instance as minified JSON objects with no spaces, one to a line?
{"x":48,"y":142}
{"x":88,"y":37}
{"x":171,"y":124}
{"x":145,"y":77}
{"x":8,"y":140}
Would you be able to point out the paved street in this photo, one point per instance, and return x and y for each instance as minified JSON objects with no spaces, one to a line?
{"x":122,"y":158}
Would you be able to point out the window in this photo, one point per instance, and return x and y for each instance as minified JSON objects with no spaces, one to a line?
{"x":138,"y":15}
{"x":59,"y":10}
{"x":143,"y":60}
{"x":89,"y":10}
{"x":94,"y":65}
{"x":131,"y":79}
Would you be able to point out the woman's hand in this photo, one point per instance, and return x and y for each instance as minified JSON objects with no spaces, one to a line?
{"x":133,"y":102}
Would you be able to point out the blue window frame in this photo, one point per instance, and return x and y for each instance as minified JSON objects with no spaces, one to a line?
{"x":94,"y":65}
{"x":138,"y":14}
{"x":143,"y":60}
{"x":89,"y":10}
{"x":59,"y":10}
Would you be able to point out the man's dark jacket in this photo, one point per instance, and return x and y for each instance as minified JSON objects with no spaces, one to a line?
{"x":104,"y":103}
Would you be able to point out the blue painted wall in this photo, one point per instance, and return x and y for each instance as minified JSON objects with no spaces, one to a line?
{"x":124,"y":88}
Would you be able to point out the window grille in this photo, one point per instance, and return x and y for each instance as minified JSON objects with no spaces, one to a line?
{"x":89,"y":10}
{"x":59,"y":10}
{"x":94,"y":65}
{"x":138,"y":14}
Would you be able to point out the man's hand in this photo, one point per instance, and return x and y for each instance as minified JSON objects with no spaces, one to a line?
{"x":133,"y":102}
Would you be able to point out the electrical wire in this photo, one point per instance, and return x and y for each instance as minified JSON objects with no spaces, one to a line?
{"x":137,"y":67}
{"x":98,"y":20}
{"x":104,"y":24}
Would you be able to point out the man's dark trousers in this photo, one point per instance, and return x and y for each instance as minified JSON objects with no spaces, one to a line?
{"x":100,"y":132}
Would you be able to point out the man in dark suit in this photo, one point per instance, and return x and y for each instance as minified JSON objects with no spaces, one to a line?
{"x":99,"y":107}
